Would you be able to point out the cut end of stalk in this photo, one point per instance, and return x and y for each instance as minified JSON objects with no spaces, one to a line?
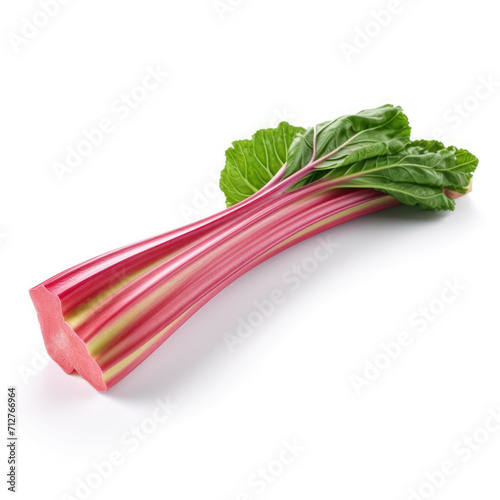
{"x":454,"y":195}
{"x":62,"y":343}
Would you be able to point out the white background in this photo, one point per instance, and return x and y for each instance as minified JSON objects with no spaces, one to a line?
{"x":232,"y":72}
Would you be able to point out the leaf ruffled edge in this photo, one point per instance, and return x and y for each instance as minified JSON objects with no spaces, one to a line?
{"x":427,"y":196}
{"x":234,"y":181}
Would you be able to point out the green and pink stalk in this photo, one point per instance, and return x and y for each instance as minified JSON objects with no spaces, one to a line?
{"x":102,"y":318}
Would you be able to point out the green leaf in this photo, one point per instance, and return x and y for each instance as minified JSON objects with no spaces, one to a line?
{"x":370,"y":149}
{"x":466,"y":162}
{"x":252,"y":163}
{"x":417,"y":175}
{"x":349,"y":139}
{"x":426,"y":197}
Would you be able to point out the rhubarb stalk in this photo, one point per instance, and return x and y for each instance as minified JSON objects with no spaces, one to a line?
{"x":102,"y":318}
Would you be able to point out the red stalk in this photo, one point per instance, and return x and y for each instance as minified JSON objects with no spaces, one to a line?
{"x":105,"y":316}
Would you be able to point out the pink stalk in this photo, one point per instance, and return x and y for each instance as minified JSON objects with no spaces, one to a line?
{"x":104,"y":317}
{"x":101,"y":274}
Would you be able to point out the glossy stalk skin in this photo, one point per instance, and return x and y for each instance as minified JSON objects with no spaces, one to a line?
{"x":105,"y":316}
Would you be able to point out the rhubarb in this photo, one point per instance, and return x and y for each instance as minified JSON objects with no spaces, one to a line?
{"x":104,"y":317}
